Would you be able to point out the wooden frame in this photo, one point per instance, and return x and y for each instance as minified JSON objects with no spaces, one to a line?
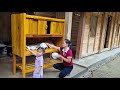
{"x":116,"y":38}
{"x":103,"y":31}
{"x":29,"y":26}
{"x":83,"y":44}
{"x":79,"y":37}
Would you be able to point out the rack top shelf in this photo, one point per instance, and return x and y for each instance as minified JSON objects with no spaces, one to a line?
{"x":46,"y":51}
{"x":44,"y":18}
{"x":45,"y":35}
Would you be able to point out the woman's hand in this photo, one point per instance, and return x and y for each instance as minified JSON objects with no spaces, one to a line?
{"x":47,"y":44}
{"x":63,"y":58}
{"x":59,"y":56}
{"x":53,"y":46}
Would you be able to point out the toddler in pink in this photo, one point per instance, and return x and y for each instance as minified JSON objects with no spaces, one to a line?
{"x":38,"y":71}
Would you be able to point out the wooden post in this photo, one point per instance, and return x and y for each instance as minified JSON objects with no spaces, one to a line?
{"x":14,"y":64}
{"x":23,"y":43}
{"x":80,"y":37}
{"x":68,"y":19}
{"x":23,"y":66}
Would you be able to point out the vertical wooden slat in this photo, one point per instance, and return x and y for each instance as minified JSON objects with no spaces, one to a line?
{"x":30,"y":26}
{"x":80,"y":37}
{"x":13,"y":18}
{"x":18,"y":36}
{"x":98,"y":33}
{"x":23,"y":42}
{"x":110,"y":32}
{"x":85,"y":35}
{"x":27,"y":26}
{"x":14,"y":64}
{"x":53,"y":28}
{"x":42,"y":27}
{"x":23,"y":66}
{"x":60,"y":28}
{"x":111,"y":29}
{"x":35,"y":26}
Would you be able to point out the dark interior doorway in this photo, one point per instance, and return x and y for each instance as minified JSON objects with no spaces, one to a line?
{"x":74,"y":31}
{"x":107,"y":37}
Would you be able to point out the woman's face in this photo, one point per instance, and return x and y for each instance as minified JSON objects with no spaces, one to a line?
{"x":64,"y":44}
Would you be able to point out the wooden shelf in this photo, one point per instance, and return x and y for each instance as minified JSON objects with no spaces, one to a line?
{"x":46,"y":51}
{"x":45,"y":35}
{"x":30,"y":66}
{"x":32,"y":29}
{"x":44,"y":18}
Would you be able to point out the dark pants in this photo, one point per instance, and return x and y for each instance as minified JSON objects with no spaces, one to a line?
{"x":65,"y":70}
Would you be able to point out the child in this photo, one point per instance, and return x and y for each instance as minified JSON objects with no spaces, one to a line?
{"x":38,"y":72}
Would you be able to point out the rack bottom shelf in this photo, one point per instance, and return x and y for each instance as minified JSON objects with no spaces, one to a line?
{"x":30,"y":66}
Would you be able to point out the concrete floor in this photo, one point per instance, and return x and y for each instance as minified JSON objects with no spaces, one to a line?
{"x":6,"y":70}
{"x":108,"y":70}
{"x":92,"y":67}
{"x":93,"y":59}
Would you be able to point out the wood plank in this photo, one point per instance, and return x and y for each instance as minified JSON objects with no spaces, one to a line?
{"x":60,"y":28}
{"x":14,"y":64}
{"x":30,"y":67}
{"x":44,"y":18}
{"x":18,"y":35}
{"x":42,"y":27}
{"x":44,"y":35}
{"x":80,"y":39}
{"x":23,"y":42}
{"x":35,"y":26}
{"x":27,"y":26}
{"x":46,"y":51}
{"x":53,"y":27}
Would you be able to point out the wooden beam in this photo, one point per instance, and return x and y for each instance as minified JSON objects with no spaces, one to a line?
{"x":44,"y":18}
{"x":14,"y":64}
{"x":68,"y":19}
{"x":79,"y":37}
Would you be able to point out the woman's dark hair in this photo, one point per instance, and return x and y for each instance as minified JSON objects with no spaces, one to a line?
{"x":43,"y":50}
{"x":69,"y":43}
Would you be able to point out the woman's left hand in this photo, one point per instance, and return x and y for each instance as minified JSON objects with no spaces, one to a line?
{"x":58,"y":56}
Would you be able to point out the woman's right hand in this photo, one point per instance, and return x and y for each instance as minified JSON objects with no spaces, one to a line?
{"x":53,"y":46}
{"x":28,"y":48}
{"x":48,"y":44}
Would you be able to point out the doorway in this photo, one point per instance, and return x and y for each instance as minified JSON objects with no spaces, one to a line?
{"x":107,"y":36}
{"x":74,"y":31}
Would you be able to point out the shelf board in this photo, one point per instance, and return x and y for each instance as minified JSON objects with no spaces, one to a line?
{"x":45,"y":35}
{"x":44,"y":18}
{"x":46,"y":51}
{"x":30,"y":66}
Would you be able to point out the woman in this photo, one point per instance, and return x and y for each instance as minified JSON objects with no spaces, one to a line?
{"x":66,"y":55}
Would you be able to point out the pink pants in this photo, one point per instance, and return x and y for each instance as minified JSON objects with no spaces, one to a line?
{"x":35,"y":75}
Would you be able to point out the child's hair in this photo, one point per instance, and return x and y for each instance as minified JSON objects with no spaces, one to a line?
{"x":43,"y":50}
{"x":69,"y":43}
